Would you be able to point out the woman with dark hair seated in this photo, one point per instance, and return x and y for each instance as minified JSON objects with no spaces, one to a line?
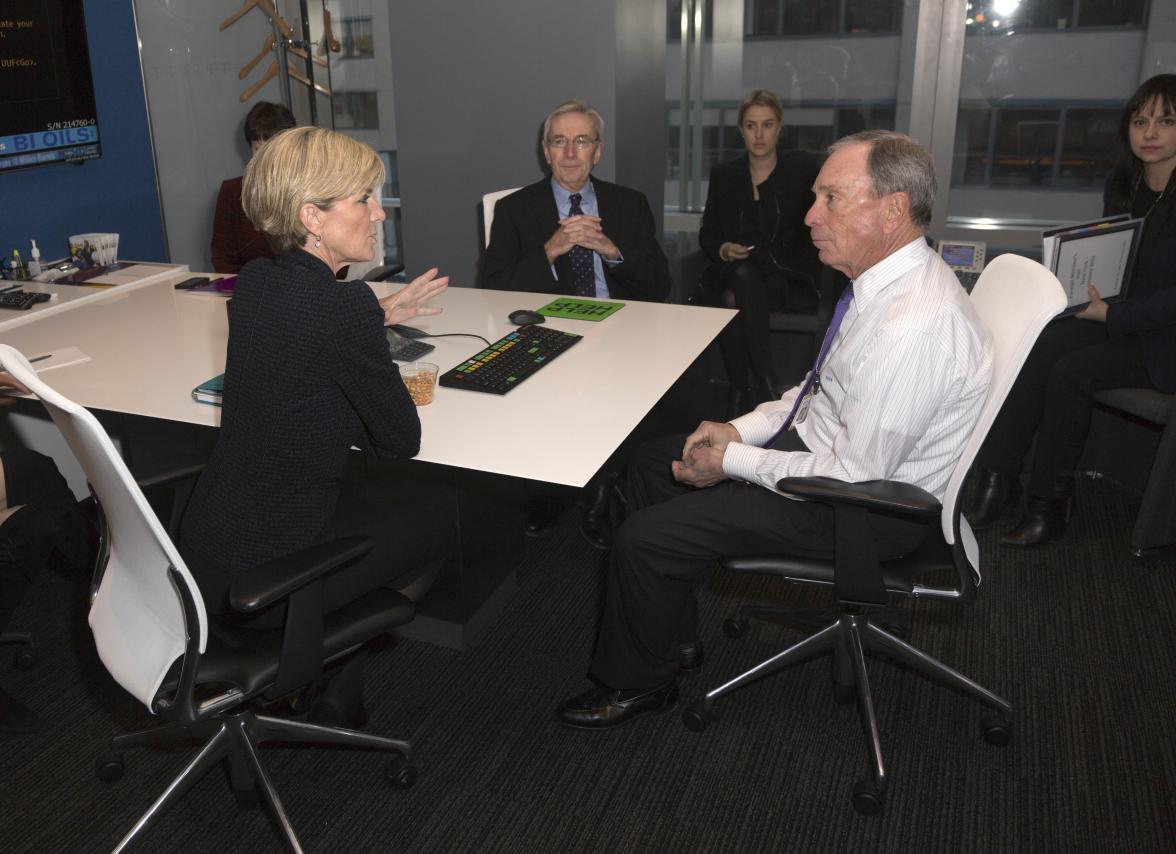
{"x":1131,"y":344}
{"x":235,"y":241}
{"x":753,"y":230}
{"x":307,"y":376}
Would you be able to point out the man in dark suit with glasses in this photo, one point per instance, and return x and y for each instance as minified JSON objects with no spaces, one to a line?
{"x":571,"y":233}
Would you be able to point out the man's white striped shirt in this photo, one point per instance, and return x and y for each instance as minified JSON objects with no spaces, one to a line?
{"x":900,"y":391}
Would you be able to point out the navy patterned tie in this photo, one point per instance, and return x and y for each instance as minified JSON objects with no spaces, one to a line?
{"x":583,"y":274}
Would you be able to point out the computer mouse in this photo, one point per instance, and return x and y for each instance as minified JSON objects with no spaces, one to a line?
{"x":524,"y":316}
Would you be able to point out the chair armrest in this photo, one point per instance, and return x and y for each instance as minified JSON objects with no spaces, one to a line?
{"x":278,"y":578}
{"x":887,"y":495}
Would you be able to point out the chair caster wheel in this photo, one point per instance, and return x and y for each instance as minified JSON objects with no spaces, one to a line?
{"x":25,"y":658}
{"x":110,"y":767}
{"x":735,"y":627}
{"x":696,"y":717}
{"x":400,"y":772}
{"x":997,"y":731}
{"x":866,"y":798}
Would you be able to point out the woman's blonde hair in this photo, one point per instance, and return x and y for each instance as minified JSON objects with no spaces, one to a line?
{"x":761,"y":98}
{"x":301,"y":165}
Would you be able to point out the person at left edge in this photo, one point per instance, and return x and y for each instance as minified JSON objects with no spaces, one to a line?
{"x":307,"y":376}
{"x":534,"y":230}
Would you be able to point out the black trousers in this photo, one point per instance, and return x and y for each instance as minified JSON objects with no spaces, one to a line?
{"x":746,"y":341}
{"x":673,"y":535}
{"x":1053,"y":398}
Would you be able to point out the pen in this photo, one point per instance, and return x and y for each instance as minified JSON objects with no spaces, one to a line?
{"x":41,"y":358}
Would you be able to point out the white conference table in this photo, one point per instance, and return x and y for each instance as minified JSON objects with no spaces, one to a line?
{"x":146,"y":347}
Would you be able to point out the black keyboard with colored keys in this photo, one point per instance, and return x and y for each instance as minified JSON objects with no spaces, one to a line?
{"x":509,"y":360}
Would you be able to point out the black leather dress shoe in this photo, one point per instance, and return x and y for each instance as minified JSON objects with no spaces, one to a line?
{"x":596,"y":524}
{"x":998,"y":494}
{"x":604,"y":708}
{"x":690,"y":657}
{"x":1045,"y":520}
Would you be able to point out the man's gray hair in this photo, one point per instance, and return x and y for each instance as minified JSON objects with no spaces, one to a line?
{"x":897,"y":164}
{"x":575,"y":107}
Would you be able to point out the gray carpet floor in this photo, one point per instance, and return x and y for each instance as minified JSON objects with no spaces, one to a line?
{"x":1078,"y":635}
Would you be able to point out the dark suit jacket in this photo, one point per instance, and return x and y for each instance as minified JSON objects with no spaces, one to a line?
{"x":785,"y":197}
{"x":524,"y":221}
{"x":1149,"y":310}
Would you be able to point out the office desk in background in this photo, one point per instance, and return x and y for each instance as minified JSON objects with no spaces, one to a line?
{"x":62,"y":297}
{"x":147,"y":347}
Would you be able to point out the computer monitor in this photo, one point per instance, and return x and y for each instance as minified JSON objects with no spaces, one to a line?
{"x":47,"y":112}
{"x":963,"y":255}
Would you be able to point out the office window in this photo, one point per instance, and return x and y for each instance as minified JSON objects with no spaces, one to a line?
{"x":356,"y":111}
{"x":1023,"y":150}
{"x":995,"y":15}
{"x":829,"y":86}
{"x":1088,"y":147}
{"x":674,"y":20}
{"x":830,"y":17}
{"x":390,"y":198}
{"x":356,"y":37}
{"x":1111,"y":13}
{"x":803,"y":18}
{"x":866,"y":117}
{"x":872,"y":16}
{"x":971,"y":155}
{"x":1011,"y":146}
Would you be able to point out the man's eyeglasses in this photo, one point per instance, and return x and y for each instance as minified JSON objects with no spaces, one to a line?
{"x":581,"y":142}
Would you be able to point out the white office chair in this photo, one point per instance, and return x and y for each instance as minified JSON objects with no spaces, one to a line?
{"x":1014,"y":298}
{"x":153,"y":634}
{"x":488,"y":202}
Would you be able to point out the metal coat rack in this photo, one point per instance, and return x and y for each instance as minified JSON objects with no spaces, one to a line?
{"x":292,"y":52}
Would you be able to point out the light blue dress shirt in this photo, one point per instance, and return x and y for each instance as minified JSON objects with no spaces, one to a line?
{"x":588,"y":205}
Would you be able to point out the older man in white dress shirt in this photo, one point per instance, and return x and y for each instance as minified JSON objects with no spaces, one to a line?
{"x":895,"y":396}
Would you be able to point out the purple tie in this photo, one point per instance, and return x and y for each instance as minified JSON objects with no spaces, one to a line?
{"x":834,"y":324}
{"x":583,"y":274}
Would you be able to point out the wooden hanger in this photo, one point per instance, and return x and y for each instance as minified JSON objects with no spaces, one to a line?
{"x":332,"y":43}
{"x":270,"y":74}
{"x":249,"y":66}
{"x":300,"y":52}
{"x":295,"y":74}
{"x":265,"y":6}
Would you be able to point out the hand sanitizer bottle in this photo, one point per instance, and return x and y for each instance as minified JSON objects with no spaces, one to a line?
{"x":34,"y":261}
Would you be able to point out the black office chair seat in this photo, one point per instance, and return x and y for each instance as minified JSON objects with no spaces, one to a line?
{"x":247,"y":658}
{"x":898,"y":576}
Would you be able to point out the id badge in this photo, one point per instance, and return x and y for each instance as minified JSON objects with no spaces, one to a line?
{"x":802,"y":411}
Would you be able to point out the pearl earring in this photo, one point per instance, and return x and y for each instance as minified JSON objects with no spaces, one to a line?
{"x":318,"y":239}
